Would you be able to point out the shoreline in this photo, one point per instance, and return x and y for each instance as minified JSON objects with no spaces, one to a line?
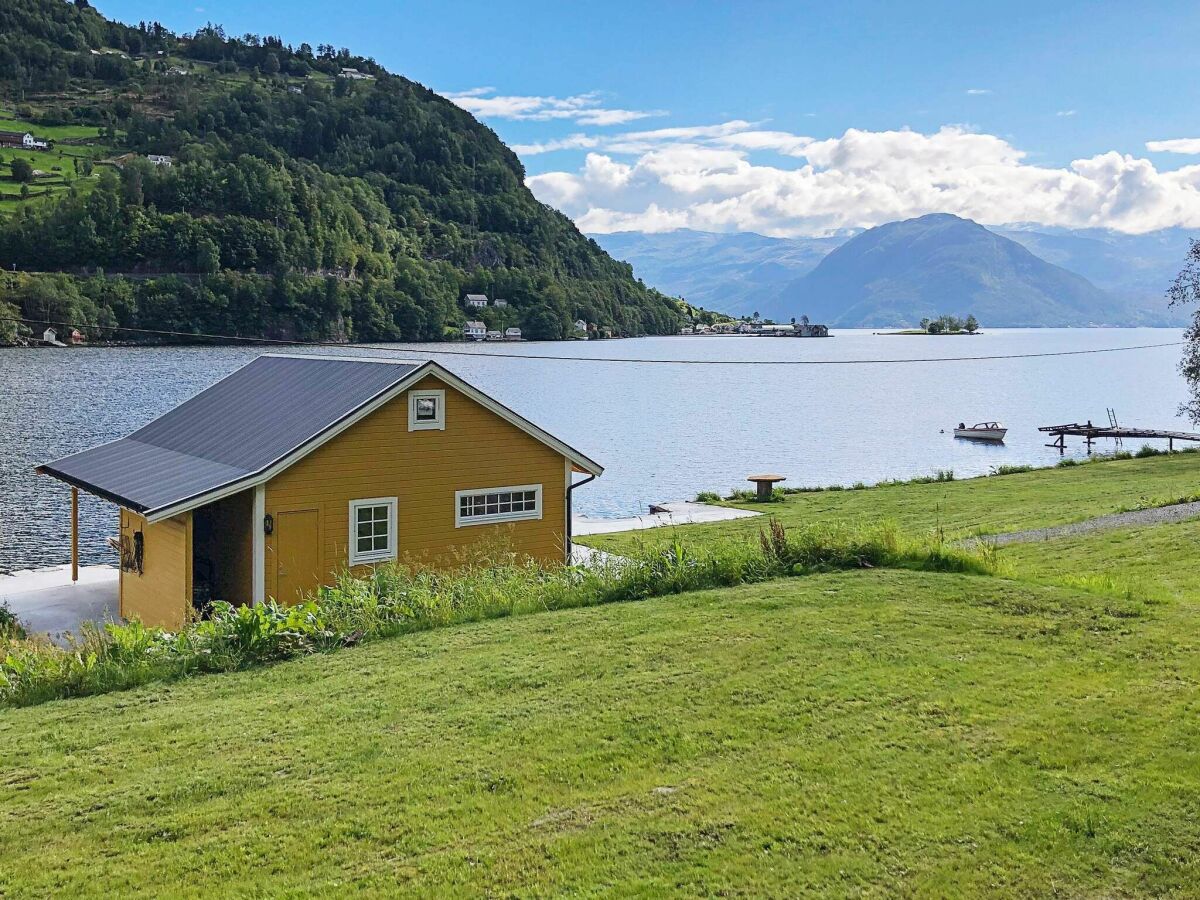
{"x":918,"y":333}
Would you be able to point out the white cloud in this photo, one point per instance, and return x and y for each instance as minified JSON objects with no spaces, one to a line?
{"x":584,"y":109}
{"x":777,"y":141}
{"x":571,"y":142}
{"x":473,"y":92}
{"x":977,"y":92}
{"x":1178,"y":145}
{"x":713,"y":178}
{"x":1065,"y":113}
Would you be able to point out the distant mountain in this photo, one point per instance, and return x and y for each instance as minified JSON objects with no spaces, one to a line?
{"x":899,"y":273}
{"x":1137,"y":267}
{"x":743,"y":273}
{"x":734,"y":273}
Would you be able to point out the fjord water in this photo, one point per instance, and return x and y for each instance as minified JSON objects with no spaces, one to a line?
{"x":663,"y":432}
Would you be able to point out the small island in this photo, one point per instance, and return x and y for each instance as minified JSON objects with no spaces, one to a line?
{"x":943,"y":325}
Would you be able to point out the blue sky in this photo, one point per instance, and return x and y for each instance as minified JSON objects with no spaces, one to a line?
{"x":1049,"y":82}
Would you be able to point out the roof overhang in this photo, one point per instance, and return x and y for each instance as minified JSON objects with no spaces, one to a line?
{"x":92,"y":489}
{"x":579,"y":461}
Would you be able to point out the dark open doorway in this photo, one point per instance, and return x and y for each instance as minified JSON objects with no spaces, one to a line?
{"x":222,"y":552}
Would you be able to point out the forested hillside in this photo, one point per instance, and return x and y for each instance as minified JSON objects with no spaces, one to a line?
{"x":302,"y":200}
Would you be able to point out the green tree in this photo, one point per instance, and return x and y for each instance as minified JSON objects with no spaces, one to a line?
{"x":1186,"y":292}
{"x":8,"y":323}
{"x":542,"y":324}
{"x":972,"y":324}
{"x":22,"y":170}
{"x":208,"y":256}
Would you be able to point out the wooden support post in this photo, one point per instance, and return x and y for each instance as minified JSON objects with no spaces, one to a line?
{"x":1170,"y":445}
{"x":74,"y":534}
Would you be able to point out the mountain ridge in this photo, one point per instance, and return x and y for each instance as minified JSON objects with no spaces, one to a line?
{"x":899,"y":273}
{"x":1132,"y":271}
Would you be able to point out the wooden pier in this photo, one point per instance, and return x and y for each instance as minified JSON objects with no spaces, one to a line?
{"x":1091,"y":433}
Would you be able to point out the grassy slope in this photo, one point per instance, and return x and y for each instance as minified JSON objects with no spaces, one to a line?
{"x":1156,"y":561}
{"x":877,"y":731}
{"x":977,"y":505}
{"x":62,"y":158}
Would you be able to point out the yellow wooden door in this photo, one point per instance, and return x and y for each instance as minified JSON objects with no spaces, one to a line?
{"x":297,"y":552}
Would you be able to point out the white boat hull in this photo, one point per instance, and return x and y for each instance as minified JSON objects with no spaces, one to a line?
{"x":981,"y":434}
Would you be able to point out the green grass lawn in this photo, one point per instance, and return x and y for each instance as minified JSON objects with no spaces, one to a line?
{"x":875,"y":732}
{"x":858,"y":733}
{"x":971,"y":506}
{"x":1154,"y":561}
{"x":51,"y":132}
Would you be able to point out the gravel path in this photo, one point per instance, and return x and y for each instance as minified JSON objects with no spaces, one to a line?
{"x":1156,"y":516}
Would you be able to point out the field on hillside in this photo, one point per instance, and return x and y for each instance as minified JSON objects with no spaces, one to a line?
{"x":60,"y":163}
{"x":877,"y":732}
{"x":872,"y":732}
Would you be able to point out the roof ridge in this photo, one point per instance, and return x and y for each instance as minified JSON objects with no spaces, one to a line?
{"x":338,"y":357}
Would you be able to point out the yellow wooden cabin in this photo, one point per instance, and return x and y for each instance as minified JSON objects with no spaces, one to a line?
{"x":296,"y":468}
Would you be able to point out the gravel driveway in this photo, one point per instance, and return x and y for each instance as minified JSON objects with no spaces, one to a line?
{"x":1156,"y":516}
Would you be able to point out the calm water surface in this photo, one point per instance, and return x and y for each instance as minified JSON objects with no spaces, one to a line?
{"x":663,"y":432}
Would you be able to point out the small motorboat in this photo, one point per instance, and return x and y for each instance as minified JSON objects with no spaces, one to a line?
{"x":981,"y":431}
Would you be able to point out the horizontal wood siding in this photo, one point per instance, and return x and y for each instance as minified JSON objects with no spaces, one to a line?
{"x":162,"y":594}
{"x":380,"y":457}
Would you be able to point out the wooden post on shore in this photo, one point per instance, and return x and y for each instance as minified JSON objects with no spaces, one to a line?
{"x":74,"y":534}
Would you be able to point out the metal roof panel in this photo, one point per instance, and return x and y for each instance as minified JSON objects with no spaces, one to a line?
{"x":239,"y":426}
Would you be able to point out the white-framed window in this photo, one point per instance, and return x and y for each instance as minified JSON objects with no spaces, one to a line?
{"x":502,"y":504}
{"x":372,"y":530}
{"x":426,"y":410}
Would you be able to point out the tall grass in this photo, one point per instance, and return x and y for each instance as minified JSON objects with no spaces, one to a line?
{"x":398,"y":598}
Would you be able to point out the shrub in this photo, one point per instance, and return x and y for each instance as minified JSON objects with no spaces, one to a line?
{"x":778,"y":495}
{"x":939,"y":476}
{"x":10,"y":626}
{"x":708,"y":497}
{"x":1011,"y":469}
{"x":1146,"y":450}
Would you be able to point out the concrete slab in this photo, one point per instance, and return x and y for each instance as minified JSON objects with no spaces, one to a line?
{"x":47,"y":602}
{"x":591,"y":558}
{"x":677,"y":512}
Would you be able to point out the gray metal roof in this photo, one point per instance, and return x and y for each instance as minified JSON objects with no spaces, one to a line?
{"x":237,"y":428}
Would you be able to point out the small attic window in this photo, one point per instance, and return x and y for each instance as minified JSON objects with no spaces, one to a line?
{"x":426,"y":410}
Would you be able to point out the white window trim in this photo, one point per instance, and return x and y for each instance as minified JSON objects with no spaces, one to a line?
{"x":359,"y":559}
{"x":460,"y":522}
{"x":438,"y":424}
